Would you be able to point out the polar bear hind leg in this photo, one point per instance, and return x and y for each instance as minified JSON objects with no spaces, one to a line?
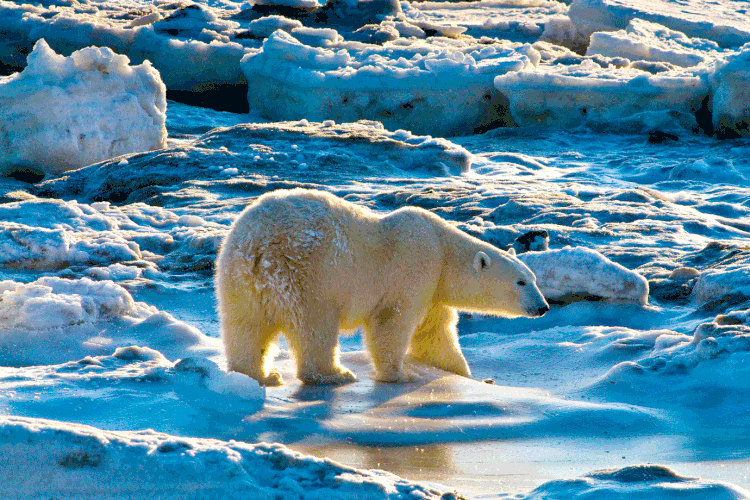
{"x":250,"y":334}
{"x":435,"y":341}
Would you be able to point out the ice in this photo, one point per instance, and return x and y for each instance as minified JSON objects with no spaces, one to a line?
{"x":403,"y":84}
{"x":583,"y":272}
{"x":604,"y":96}
{"x":646,"y":41}
{"x":364,"y":147}
{"x":69,"y":234}
{"x":62,"y":113}
{"x":183,"y":63}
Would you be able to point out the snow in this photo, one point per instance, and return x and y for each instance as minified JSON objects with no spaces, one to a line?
{"x":631,"y":156}
{"x":643,"y":481}
{"x":62,"y":113}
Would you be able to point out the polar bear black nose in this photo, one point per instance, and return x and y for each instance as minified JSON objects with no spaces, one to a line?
{"x":542,"y":310}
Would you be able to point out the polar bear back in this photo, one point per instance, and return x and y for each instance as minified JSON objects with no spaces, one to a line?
{"x":340,"y":254}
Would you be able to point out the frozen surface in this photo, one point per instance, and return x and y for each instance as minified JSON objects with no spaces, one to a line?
{"x":53,"y":320}
{"x":62,"y":113}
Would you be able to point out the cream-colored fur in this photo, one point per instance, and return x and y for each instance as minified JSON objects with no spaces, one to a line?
{"x":308,"y":264}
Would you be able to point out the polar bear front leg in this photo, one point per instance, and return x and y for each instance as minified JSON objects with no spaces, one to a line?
{"x":435,"y":341}
{"x":388,"y":335}
{"x":315,"y":345}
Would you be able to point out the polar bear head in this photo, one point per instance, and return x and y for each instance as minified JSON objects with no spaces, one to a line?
{"x":499,"y":283}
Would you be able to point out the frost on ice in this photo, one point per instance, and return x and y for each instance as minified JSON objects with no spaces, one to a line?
{"x":62,"y":113}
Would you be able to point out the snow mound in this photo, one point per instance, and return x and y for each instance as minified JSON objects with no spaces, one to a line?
{"x":646,"y":41}
{"x":730,"y":102}
{"x":568,"y":96}
{"x":581,"y":271}
{"x":637,"y":481}
{"x":62,"y":113}
{"x":403,"y":84}
{"x":82,"y":462}
{"x":53,"y":320}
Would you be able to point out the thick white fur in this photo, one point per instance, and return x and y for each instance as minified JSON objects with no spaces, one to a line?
{"x":307,"y":263}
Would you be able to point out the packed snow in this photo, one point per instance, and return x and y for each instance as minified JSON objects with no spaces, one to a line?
{"x":604,"y":141}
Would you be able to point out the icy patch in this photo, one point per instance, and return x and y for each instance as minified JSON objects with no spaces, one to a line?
{"x":53,"y":320}
{"x":642,"y":40}
{"x":588,"y":93}
{"x":62,"y":113}
{"x":403,"y":84}
{"x":80,"y":462}
{"x":584,"y":272}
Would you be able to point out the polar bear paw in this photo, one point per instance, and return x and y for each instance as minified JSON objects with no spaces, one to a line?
{"x":341,"y":376}
{"x":273,"y":379}
{"x":397,"y":377}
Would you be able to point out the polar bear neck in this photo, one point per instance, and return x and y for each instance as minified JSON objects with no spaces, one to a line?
{"x":455,"y":285}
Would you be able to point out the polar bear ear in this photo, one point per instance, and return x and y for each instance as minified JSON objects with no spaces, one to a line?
{"x":481,"y":261}
{"x":512,"y":251}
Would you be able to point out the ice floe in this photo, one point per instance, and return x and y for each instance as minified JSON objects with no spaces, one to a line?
{"x":606,"y":97}
{"x":62,"y":113}
{"x":403,"y":85}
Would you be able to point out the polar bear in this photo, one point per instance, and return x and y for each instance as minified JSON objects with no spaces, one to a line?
{"x":308,"y":264}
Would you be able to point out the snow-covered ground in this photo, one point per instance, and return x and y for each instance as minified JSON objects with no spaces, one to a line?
{"x":632,"y":157}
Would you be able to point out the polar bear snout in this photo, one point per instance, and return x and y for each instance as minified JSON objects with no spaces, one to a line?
{"x":538,"y":313}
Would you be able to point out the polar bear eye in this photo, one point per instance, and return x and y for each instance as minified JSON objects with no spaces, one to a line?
{"x":521,"y":283}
